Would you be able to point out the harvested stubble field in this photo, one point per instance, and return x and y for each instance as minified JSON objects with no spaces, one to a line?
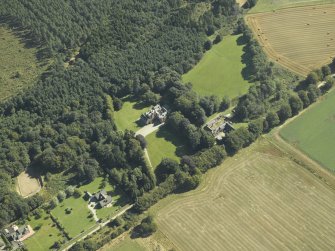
{"x":301,"y":39}
{"x":257,"y":200}
{"x":26,"y":185}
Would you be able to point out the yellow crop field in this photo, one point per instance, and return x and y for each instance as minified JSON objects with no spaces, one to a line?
{"x":301,"y":39}
{"x":257,"y":200}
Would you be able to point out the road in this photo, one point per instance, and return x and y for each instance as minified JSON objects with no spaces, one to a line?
{"x":147,"y":156}
{"x":146,"y":130}
{"x":101,"y":225}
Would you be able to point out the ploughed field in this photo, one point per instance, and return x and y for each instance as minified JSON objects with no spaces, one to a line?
{"x":313,"y":132}
{"x":301,"y":39}
{"x":257,"y":200}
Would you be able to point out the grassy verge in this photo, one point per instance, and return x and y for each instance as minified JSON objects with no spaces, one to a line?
{"x":127,"y":244}
{"x":222,"y":71}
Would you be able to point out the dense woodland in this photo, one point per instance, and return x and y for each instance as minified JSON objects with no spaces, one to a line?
{"x":64,"y":123}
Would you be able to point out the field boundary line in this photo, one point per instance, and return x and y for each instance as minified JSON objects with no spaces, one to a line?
{"x":298,"y":5}
{"x":309,"y":163}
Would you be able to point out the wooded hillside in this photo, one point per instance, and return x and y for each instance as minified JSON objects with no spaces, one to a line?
{"x":63,"y":123}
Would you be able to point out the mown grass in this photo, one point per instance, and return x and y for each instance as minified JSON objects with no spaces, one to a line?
{"x":313,"y":132}
{"x":266,"y":5}
{"x":19,"y":67}
{"x":79,"y":219}
{"x":44,"y":237}
{"x":164,"y":144}
{"x":222,"y":71}
{"x":131,"y":111}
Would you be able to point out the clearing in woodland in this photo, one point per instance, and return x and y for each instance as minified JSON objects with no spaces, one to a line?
{"x":222,"y":71}
{"x":19,"y":67}
{"x":27,"y":185}
{"x":257,"y":200}
{"x":164,"y":144}
{"x":300,"y":39}
{"x":127,"y":117}
{"x":317,"y":139}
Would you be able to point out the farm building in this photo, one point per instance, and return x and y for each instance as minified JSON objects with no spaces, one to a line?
{"x":102,"y":199}
{"x":18,"y":234}
{"x":219,"y":126}
{"x":157,"y":114}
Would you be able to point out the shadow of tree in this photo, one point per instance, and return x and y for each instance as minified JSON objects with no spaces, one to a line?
{"x":139,"y":105}
{"x":25,"y":36}
{"x":245,"y":59}
{"x":181,"y":148}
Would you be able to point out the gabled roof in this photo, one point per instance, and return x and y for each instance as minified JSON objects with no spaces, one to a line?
{"x":15,"y":233}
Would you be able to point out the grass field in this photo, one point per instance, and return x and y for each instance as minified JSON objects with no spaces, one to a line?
{"x":131,"y":111}
{"x":221,"y":71}
{"x":318,"y":138}
{"x":271,"y":5}
{"x":301,"y":39}
{"x":258,"y":200}
{"x":19,"y":67}
{"x":164,"y":144}
{"x":45,"y":237}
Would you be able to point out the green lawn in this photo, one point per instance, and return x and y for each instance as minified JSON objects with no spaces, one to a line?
{"x":221,"y":71}
{"x":314,"y":131}
{"x":127,"y":245}
{"x":45,"y":237}
{"x":79,"y":219}
{"x":270,"y":5}
{"x":131,"y":111}
{"x":164,"y":144}
{"x":19,"y":67}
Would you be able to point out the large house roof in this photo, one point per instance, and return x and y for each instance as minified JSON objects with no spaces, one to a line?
{"x":103,"y":198}
{"x":15,"y":233}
